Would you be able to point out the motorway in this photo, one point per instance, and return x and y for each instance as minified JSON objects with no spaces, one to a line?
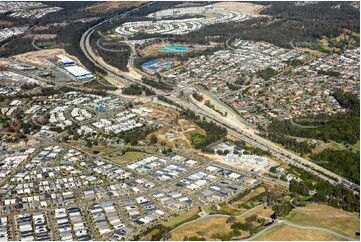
{"x":240,"y":130}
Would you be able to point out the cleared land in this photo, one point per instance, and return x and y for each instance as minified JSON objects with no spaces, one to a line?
{"x":339,"y":146}
{"x":207,"y":226}
{"x":284,"y":232}
{"x":39,"y":57}
{"x":181,"y":217}
{"x":129,"y":156}
{"x":246,"y":8}
{"x":3,"y":22}
{"x":334,"y":219}
{"x":100,"y":149}
{"x":104,"y":7}
{"x":182,"y":130}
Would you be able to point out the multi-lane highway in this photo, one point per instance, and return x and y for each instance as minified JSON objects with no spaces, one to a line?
{"x":238,"y":129}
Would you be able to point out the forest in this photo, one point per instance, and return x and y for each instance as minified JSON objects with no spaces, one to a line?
{"x":157,"y":84}
{"x":306,"y":25}
{"x":341,"y":162}
{"x":336,"y":196}
{"x":342,"y":127}
{"x":135,"y":89}
{"x":301,"y":147}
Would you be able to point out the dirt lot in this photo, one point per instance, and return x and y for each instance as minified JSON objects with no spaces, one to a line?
{"x":110,"y":6}
{"x":242,"y":7}
{"x":3,"y":22}
{"x":41,"y":36}
{"x":182,"y":132}
{"x":38,"y":58}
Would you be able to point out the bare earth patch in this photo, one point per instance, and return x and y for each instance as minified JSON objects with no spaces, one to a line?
{"x":42,"y":36}
{"x":250,"y":9}
{"x":3,"y":22}
{"x":39,"y":57}
{"x":109,"y":6}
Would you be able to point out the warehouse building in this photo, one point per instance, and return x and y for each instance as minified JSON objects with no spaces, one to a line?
{"x":79,"y":72}
{"x":64,"y":60}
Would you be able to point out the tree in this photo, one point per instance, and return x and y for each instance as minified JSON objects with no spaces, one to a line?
{"x":153,"y":139}
{"x":89,"y":143}
{"x":231,"y":219}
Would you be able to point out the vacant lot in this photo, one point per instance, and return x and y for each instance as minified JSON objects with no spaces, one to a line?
{"x":98,"y":149}
{"x":181,"y":217}
{"x":3,"y":22}
{"x":246,"y":8}
{"x":39,"y":57}
{"x":284,"y":232}
{"x":259,"y":210}
{"x":129,"y":156}
{"x":207,"y":226}
{"x":327,"y":217}
{"x":181,"y":129}
{"x":104,"y":7}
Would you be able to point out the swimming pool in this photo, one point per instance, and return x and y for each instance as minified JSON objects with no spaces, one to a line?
{"x":173,"y":48}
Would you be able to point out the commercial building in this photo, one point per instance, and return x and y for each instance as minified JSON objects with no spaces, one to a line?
{"x":79,"y":72}
{"x":64,"y":60}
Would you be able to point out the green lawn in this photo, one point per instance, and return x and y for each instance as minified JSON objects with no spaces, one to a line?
{"x":181,"y":217}
{"x":128,"y":157}
{"x":197,"y":138}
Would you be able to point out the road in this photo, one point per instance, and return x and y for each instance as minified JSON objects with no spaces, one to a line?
{"x":261,"y":232}
{"x":240,"y":131}
{"x":250,"y":135}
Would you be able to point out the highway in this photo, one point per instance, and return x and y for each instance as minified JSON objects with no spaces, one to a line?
{"x":239,"y":130}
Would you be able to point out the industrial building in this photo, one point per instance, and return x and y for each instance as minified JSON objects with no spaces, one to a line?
{"x":79,"y":72}
{"x":64,"y":60}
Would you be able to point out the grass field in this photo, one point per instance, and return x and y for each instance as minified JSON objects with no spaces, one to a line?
{"x":197,"y":138}
{"x":101,"y":149}
{"x":284,"y":232}
{"x":181,"y":217}
{"x":232,"y":210}
{"x":342,"y":222}
{"x":339,"y":146}
{"x":260,"y":211}
{"x":207,"y":226}
{"x":252,"y":194}
{"x":148,"y":237}
{"x":217,"y":225}
{"x":129,"y":156}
